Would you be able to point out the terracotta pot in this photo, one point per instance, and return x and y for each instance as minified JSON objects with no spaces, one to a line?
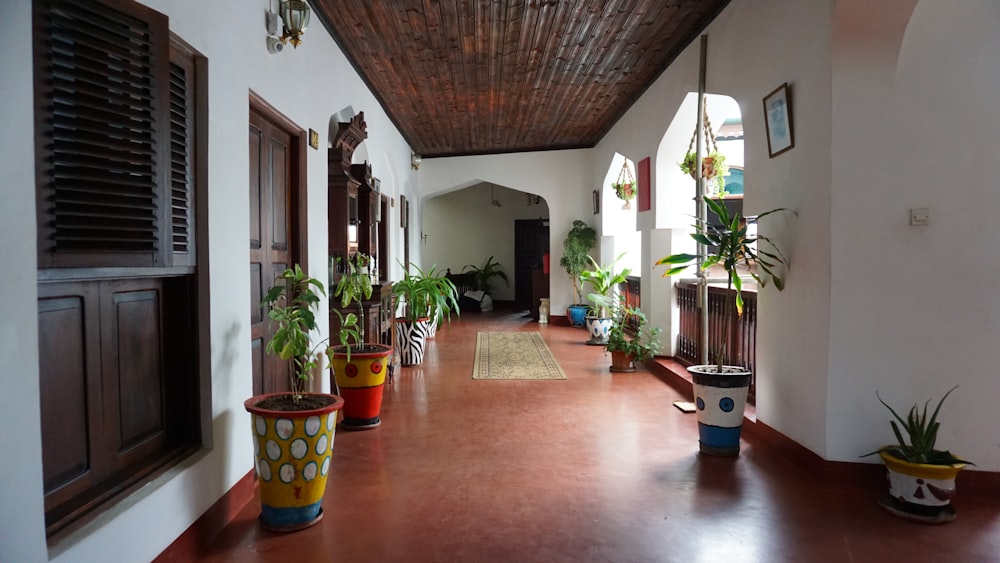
{"x":293,"y":450}
{"x":361,"y":381}
{"x":720,"y":399}
{"x":622,"y":362}
{"x":919,"y":491}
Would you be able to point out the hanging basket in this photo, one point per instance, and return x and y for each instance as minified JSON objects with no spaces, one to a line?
{"x":713,"y":165}
{"x":625,"y":186}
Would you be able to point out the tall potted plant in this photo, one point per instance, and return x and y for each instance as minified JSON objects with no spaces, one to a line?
{"x":425,"y":295}
{"x":721,"y":390}
{"x":576,"y":248}
{"x":625,"y":350}
{"x":921,"y":477}
{"x":359,"y":367}
{"x":604,"y":280}
{"x":293,"y":432}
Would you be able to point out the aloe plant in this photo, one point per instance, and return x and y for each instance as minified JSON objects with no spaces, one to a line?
{"x":922,"y":433}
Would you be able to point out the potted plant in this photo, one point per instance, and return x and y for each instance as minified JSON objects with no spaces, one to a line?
{"x":359,"y":367}
{"x":293,"y":432}
{"x":485,"y":273}
{"x":427,"y":296}
{"x":576,"y":247}
{"x":721,"y":390}
{"x":604,"y":281}
{"x":625,"y":191}
{"x":921,"y":477}
{"x":625,"y":350}
{"x":713,"y":168}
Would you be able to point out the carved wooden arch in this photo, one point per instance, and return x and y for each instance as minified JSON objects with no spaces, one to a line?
{"x":350,"y":134}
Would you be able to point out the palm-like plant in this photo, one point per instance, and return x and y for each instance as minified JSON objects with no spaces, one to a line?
{"x":427,"y":293}
{"x":483,"y":274}
{"x":922,"y":433}
{"x":604,"y":280}
{"x":735,"y":251}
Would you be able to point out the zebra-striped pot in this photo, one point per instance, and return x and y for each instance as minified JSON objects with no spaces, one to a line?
{"x":411,"y":339}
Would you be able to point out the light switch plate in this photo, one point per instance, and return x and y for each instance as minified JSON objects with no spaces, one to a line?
{"x":920,"y":216}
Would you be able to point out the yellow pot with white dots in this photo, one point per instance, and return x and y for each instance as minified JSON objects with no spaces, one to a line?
{"x":293,"y":451}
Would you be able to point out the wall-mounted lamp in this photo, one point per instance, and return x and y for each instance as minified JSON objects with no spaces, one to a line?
{"x":294,"y":19}
{"x":423,"y":237}
{"x":415,"y":161}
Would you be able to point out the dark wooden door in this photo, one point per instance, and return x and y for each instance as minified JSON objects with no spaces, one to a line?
{"x":531,"y":242}
{"x":270,"y":244}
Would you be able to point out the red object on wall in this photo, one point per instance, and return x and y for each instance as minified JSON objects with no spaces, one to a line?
{"x":644,"y":199}
{"x":545,"y":263}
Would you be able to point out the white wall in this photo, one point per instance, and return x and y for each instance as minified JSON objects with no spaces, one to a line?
{"x":464,"y":227}
{"x":565,"y":179}
{"x":752,"y":48}
{"x":914,"y":313}
{"x":22,"y":523}
{"x":309,"y":85}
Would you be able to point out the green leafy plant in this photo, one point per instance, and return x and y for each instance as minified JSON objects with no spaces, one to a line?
{"x":427,"y":294}
{"x":292,"y":303}
{"x":922,"y":434}
{"x":735,"y":251}
{"x":604,"y":280}
{"x":643,"y":345}
{"x":576,"y":248}
{"x":483,"y":274}
{"x":624,"y":190}
{"x":354,"y":286}
{"x":717,"y":165}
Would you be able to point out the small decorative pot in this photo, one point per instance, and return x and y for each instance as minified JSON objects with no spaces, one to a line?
{"x":411,"y":338}
{"x":361,"y":381}
{"x":543,"y":311}
{"x":622,"y":362}
{"x":598,"y":329}
{"x":720,"y":399}
{"x":919,"y":491}
{"x":293,"y":450}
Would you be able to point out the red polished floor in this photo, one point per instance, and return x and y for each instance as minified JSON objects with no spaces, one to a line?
{"x":599,"y":467}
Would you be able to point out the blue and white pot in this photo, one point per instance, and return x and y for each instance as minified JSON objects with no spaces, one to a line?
{"x":720,"y":399}
{"x":598,"y":329}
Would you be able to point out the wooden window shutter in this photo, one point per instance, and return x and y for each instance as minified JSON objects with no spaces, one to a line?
{"x":183,"y":134}
{"x":101,"y":134}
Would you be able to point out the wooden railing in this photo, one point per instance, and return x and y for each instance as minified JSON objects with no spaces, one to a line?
{"x":721,"y":303}
{"x":629,"y":291}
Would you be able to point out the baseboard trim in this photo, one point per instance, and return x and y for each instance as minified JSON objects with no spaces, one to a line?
{"x":189,"y":545}
{"x":831,"y":474}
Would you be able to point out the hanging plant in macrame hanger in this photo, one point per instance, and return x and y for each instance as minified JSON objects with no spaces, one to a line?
{"x":713,"y":165}
{"x":625,"y":186}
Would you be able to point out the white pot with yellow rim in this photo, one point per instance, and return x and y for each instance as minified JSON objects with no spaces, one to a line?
{"x":920,"y":491}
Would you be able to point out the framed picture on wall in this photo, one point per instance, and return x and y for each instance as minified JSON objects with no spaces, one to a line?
{"x":377,"y":186}
{"x":402,"y":211}
{"x":778,"y":121}
{"x":597,"y":202}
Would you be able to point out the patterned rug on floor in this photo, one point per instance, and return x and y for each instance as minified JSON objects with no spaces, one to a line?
{"x":514,"y":355}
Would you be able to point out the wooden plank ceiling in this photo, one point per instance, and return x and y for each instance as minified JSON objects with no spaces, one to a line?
{"x":461,"y":77}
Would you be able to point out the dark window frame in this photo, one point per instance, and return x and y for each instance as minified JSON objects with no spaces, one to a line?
{"x":172,"y":272}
